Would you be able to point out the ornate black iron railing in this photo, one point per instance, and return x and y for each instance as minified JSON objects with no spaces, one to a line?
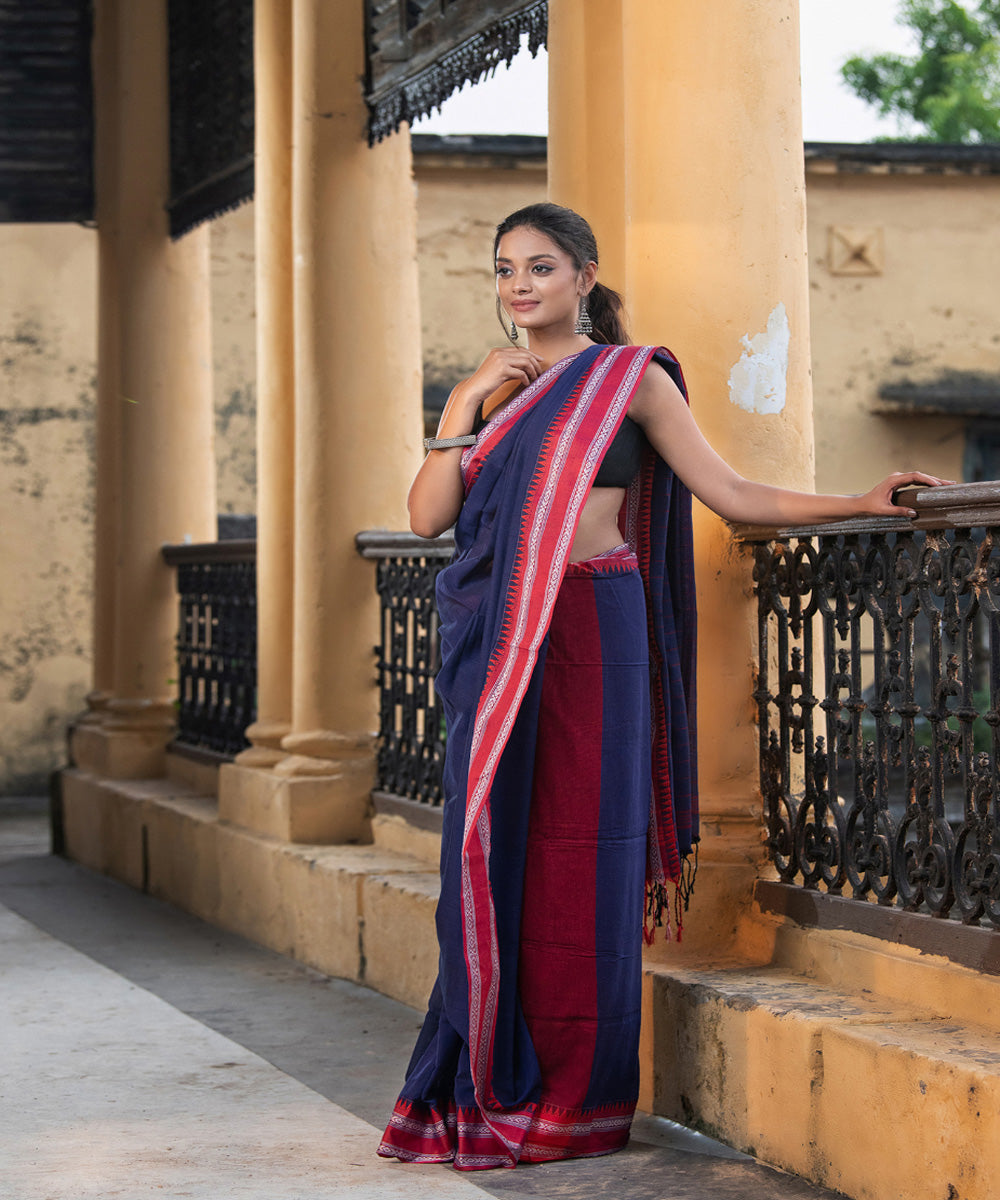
{"x":216,"y":644}
{"x":411,"y":723}
{"x":879,"y":705}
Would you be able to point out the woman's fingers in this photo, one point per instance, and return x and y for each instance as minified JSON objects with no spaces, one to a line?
{"x":885,"y":493}
{"x":904,"y":478}
{"x":528,"y":361}
{"x":512,"y":363}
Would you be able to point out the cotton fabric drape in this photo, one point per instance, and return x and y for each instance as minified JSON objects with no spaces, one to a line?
{"x":568,"y":692}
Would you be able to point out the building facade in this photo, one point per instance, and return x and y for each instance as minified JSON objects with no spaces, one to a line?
{"x":765,"y":1024}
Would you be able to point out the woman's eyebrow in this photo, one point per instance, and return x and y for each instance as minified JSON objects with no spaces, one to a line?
{"x":533,"y":258}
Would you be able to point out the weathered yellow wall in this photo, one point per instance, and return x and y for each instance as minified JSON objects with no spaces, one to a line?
{"x":457,"y":212}
{"x":48,"y":338}
{"x":933,"y":308}
{"x":234,"y":353}
{"x":459,"y":206}
{"x":47,"y":369}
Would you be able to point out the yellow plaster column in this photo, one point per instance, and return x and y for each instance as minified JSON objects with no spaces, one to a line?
{"x":164,"y":403}
{"x":357,"y":416}
{"x":275,"y":380}
{"x":702,"y":190}
{"x":107,"y":450}
{"x":588,"y":143}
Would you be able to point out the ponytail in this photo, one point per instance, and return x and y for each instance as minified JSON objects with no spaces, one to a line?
{"x":607,"y":312}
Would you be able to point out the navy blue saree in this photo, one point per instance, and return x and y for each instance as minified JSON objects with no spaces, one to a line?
{"x":570,"y":782}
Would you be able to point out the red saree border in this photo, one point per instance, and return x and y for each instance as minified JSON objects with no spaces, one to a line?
{"x":426,"y":1133}
{"x":501,"y":423}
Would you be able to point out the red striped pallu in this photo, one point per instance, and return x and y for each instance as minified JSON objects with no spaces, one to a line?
{"x":569,"y":780}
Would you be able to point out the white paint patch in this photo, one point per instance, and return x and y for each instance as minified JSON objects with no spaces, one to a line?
{"x":758,"y":382}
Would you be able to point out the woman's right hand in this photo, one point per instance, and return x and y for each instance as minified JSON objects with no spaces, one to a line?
{"x":504,"y":364}
{"x":436,"y":495}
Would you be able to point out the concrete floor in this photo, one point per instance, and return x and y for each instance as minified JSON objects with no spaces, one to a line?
{"x":146,"y":1054}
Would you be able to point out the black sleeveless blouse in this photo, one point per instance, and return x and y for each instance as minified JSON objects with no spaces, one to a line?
{"x":622,"y":460}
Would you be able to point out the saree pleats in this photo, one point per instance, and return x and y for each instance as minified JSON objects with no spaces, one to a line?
{"x":580,"y":932}
{"x":569,"y":900}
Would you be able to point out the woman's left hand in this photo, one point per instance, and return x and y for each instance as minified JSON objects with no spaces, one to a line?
{"x":879,"y":502}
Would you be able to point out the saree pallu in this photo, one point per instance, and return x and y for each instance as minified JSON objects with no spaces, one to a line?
{"x":569,"y":782}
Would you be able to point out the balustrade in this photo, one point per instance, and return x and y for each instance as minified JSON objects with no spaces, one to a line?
{"x":878,"y":691}
{"x":878,"y":694}
{"x":411,"y":722}
{"x":216,"y":644}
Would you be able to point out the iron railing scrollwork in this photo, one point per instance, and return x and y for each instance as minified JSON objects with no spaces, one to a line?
{"x":216,"y":644}
{"x":878,"y":692}
{"x":411,"y":721}
{"x":878,"y":696}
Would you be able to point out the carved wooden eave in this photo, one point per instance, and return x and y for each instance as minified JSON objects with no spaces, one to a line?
{"x":46,"y":111}
{"x":421,"y":51}
{"x":211,"y":109}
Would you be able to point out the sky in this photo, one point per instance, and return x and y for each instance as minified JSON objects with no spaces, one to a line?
{"x":514,"y":100}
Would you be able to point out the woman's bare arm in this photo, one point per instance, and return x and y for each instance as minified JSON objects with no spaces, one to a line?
{"x":660,"y":409}
{"x":437,"y":493}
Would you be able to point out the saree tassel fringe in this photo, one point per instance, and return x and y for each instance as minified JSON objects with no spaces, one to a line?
{"x":657,"y":912}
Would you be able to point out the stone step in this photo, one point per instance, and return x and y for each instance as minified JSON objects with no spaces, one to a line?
{"x":358,"y":912}
{"x":844,"y":1067}
{"x":854,"y":1090}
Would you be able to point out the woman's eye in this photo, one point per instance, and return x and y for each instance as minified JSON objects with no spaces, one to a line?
{"x":542,"y":268}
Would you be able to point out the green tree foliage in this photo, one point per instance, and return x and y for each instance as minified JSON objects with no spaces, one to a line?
{"x":950,"y":88}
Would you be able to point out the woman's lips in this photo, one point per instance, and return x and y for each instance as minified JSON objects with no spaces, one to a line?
{"x":524,"y":305}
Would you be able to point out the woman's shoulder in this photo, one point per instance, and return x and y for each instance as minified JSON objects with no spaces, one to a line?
{"x":657,"y":351}
{"x":657,"y":354}
{"x":662,"y":376}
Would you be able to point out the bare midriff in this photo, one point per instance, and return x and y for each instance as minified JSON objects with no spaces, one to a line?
{"x":598,"y":529}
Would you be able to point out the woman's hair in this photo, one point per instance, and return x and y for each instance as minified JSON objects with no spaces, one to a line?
{"x":573,"y":235}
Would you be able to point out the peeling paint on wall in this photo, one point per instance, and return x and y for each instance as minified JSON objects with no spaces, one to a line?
{"x":47,"y":399}
{"x":234,"y":352}
{"x":758,"y":382}
{"x":235,"y":448}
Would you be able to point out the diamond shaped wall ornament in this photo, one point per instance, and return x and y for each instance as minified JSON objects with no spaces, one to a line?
{"x":855,"y":251}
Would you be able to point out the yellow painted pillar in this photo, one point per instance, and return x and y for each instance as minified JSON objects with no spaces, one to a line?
{"x":357,"y":423}
{"x":701,"y":188}
{"x":165,"y":420}
{"x":587,"y":144}
{"x":107,"y":448}
{"x":275,"y":380}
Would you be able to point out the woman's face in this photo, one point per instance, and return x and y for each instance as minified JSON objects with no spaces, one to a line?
{"x":537,"y":282}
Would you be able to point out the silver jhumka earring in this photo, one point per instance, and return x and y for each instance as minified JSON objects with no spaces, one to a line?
{"x":513,"y":332}
{"x":583,"y":322}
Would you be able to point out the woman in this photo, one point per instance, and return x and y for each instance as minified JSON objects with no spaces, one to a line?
{"x":567,"y":679}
